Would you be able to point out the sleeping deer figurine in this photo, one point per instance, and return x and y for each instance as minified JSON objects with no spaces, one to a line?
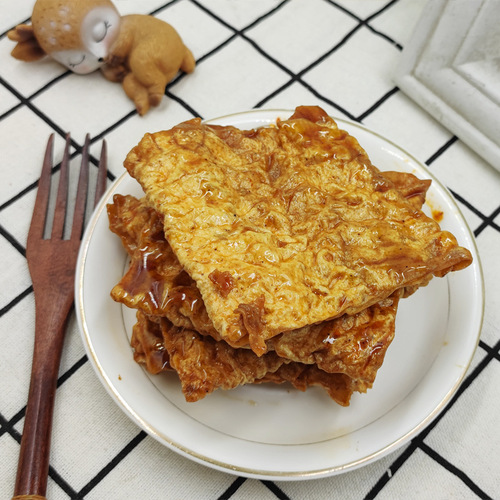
{"x":140,"y":51}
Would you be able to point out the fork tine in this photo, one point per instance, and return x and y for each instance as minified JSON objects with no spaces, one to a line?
{"x":42,"y":196}
{"x":81,"y":195}
{"x":101,"y":176}
{"x":62,"y":194}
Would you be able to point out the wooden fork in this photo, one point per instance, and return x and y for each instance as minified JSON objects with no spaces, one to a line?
{"x":52,"y":263}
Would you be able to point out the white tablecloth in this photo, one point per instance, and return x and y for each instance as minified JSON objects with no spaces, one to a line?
{"x":340,"y":55}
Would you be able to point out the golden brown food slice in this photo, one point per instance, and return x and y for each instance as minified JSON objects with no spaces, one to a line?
{"x":148,"y":345}
{"x":339,"y":387}
{"x":221,"y":368}
{"x":204,"y":364}
{"x":285,"y":226}
{"x":155,"y":282}
{"x":413,"y":189}
{"x":354,"y":345}
{"x":341,"y":356}
{"x":154,"y":269}
{"x":350,"y":348}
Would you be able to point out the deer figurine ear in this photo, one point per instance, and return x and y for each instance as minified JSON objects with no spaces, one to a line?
{"x":27,"y":49}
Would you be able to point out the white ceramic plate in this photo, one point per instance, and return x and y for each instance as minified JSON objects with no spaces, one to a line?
{"x":277,"y":432}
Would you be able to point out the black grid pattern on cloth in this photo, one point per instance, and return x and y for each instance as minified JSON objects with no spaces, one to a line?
{"x":488,"y":354}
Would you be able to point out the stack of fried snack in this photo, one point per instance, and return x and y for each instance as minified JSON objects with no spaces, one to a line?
{"x":277,"y":254}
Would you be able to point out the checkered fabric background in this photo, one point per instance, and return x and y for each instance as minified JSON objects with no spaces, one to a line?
{"x":339,"y":54}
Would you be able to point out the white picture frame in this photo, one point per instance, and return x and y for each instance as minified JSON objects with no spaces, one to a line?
{"x":451,"y":68}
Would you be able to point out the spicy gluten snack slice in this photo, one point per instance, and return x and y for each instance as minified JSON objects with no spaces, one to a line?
{"x":156,"y":285}
{"x":341,"y":355}
{"x":204,"y":365}
{"x":155,"y":281}
{"x":285,"y":226}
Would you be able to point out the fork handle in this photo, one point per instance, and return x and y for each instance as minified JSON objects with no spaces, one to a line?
{"x":33,"y":466}
{"x":28,"y":497}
